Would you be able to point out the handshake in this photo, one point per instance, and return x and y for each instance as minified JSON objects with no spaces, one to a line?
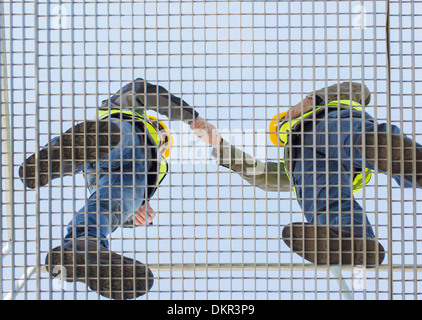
{"x":207,"y":133}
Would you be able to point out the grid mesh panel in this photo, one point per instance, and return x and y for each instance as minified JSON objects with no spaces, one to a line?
{"x":238,"y":64}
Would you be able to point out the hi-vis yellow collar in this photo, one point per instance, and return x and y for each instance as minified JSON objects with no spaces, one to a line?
{"x":276,"y":128}
{"x":167,"y":142}
{"x":162,"y":136}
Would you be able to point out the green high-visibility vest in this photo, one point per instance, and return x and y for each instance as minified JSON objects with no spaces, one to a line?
{"x":286,"y":126}
{"x":102,"y":114}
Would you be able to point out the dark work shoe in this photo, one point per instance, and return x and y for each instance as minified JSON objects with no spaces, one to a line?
{"x":405,"y":155}
{"x":70,"y":146}
{"x":106,"y":272}
{"x":323,"y":245}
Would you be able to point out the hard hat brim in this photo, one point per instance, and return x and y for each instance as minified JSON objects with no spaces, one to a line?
{"x":274,"y":128}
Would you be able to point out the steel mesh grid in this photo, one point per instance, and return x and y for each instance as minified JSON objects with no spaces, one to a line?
{"x":225,"y":54}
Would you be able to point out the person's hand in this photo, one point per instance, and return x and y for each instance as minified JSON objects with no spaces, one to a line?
{"x":297,"y":110}
{"x":206,"y":131}
{"x":141,"y":214}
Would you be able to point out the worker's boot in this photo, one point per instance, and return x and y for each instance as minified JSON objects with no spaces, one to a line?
{"x":406,"y":156}
{"x":81,"y":143}
{"x":325,"y":245}
{"x":106,"y":272}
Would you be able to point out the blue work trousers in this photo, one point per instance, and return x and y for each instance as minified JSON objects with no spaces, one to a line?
{"x":326,"y":160}
{"x":117,"y":184}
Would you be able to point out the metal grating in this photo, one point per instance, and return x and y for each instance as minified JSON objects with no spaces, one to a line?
{"x":238,"y":63}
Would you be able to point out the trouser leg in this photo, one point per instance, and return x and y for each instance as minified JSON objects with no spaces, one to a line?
{"x":338,"y":231}
{"x":405,"y":155}
{"x":335,"y":144}
{"x":324,"y":188}
{"x":84,"y":143}
{"x":117,"y":182}
{"x":118,"y":186}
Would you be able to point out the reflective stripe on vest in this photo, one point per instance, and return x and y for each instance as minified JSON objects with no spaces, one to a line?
{"x":102,"y":114}
{"x":287,"y":125}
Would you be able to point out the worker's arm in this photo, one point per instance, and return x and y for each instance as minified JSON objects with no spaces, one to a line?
{"x":140,"y":95}
{"x":268,"y":176}
{"x":354,"y":91}
{"x":343,"y":91}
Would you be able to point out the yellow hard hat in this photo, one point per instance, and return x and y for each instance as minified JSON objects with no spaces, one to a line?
{"x":168,"y":142}
{"x":273,"y":129}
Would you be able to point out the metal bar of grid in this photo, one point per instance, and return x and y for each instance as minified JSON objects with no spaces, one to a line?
{"x":6,"y":134}
{"x":158,"y":34}
{"x":389,"y":169}
{"x":346,"y":291}
{"x":6,"y":143}
{"x":269,"y":266}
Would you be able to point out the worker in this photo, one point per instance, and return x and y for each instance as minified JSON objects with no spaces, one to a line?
{"x":123,"y":155}
{"x":331,"y":148}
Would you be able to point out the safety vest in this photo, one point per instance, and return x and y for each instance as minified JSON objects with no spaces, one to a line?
{"x":102,"y":114}
{"x":286,"y":126}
